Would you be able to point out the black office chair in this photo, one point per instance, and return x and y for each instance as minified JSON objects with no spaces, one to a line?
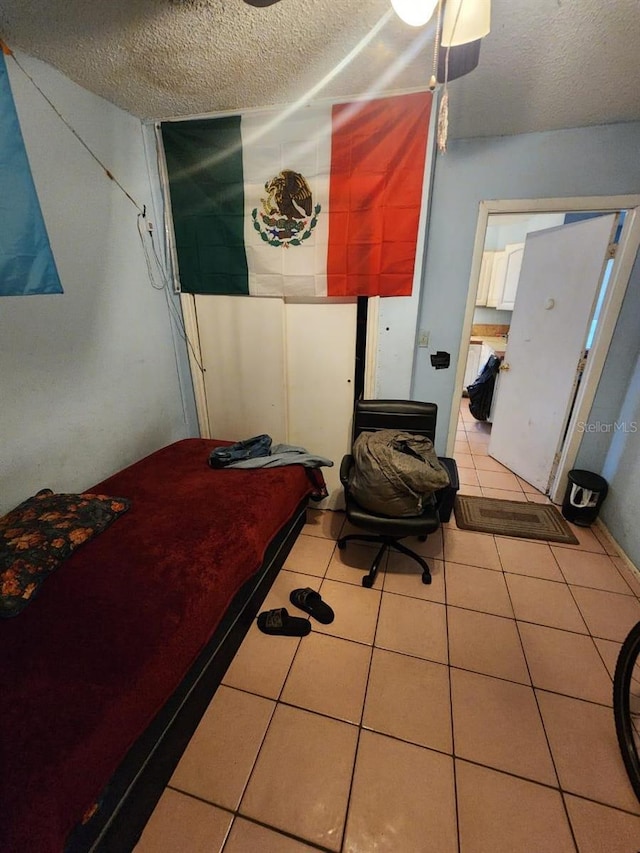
{"x":409,"y":416}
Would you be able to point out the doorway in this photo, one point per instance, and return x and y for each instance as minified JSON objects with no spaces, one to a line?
{"x":564,"y":455}
{"x":480,"y":474}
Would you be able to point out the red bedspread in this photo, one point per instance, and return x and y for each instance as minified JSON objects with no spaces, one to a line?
{"x":88,"y":663}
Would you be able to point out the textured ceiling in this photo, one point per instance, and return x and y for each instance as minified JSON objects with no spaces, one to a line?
{"x":546,"y":64}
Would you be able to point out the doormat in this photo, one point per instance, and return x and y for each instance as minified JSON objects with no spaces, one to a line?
{"x":513,"y":518}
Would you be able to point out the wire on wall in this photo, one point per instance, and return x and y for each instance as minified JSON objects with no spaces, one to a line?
{"x":7,"y":50}
{"x":160,"y":281}
{"x":155,"y":269}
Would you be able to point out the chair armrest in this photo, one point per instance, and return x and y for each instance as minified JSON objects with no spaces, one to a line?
{"x":345,"y":469}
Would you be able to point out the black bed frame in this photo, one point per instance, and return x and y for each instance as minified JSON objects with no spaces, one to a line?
{"x":131,"y":795}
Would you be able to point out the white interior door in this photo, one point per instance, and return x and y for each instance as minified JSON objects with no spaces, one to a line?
{"x":281,"y":368}
{"x":242,"y":342}
{"x":321,"y":350}
{"x":559,"y":282}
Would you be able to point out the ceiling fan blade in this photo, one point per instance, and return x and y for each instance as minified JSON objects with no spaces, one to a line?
{"x":463,"y":58}
{"x":261,"y":3}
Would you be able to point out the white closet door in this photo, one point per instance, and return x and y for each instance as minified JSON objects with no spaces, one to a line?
{"x":321,"y":347}
{"x":286,"y":369}
{"x":243,"y":353}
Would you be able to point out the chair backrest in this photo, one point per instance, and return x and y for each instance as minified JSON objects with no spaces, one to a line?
{"x":407,"y":415}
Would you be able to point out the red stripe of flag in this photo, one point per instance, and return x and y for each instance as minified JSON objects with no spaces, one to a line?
{"x":378,"y":153}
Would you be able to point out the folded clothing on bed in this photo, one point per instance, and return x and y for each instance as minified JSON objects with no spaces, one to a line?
{"x":257,"y":452}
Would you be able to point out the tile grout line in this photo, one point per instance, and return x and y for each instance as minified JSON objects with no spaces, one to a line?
{"x":298,"y":838}
{"x":544,"y":728}
{"x":324,"y":714}
{"x":277,"y":702}
{"x":452,"y":728}
{"x":595,"y":553}
{"x":475,"y":762}
{"x":360,"y":724}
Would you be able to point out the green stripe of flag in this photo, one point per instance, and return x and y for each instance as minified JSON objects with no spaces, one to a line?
{"x":204,"y":163}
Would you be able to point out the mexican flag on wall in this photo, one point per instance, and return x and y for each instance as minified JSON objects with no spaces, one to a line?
{"x":324,"y":201}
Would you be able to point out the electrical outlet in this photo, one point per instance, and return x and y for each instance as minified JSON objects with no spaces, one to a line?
{"x":423,"y":338}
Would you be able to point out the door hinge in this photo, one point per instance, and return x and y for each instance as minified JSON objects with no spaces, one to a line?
{"x":582,"y":363}
{"x":612,"y":248}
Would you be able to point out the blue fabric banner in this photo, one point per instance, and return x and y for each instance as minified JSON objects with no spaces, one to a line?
{"x":26,"y":261}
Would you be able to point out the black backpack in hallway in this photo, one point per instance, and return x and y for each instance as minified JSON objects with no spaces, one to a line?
{"x":481,"y":391}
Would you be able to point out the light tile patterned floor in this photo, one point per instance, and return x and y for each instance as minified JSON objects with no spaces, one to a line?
{"x":472,"y":716}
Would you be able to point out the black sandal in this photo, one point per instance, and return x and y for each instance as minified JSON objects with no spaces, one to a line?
{"x":278,"y":621}
{"x":311,"y":602}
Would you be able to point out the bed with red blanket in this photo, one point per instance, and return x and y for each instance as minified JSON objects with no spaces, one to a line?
{"x":104,"y":675}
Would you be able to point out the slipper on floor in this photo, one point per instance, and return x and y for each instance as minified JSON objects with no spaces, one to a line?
{"x":278,"y":621}
{"x":311,"y":602}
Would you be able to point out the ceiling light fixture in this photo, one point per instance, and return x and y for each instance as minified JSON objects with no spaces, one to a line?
{"x":416,"y":13}
{"x":460,"y":26}
{"x":465,"y":21}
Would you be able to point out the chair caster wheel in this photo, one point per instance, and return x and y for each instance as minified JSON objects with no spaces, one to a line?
{"x":367,"y":581}
{"x":341,"y":545}
{"x":426,"y":577}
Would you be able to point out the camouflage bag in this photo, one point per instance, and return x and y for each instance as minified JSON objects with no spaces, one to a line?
{"x":395,"y":473}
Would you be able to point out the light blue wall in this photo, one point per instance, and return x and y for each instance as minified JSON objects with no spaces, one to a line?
{"x":88,"y":379}
{"x":492,"y":316}
{"x":621,"y":510}
{"x":578,"y":162}
{"x":613,"y":447}
{"x":500,"y":235}
{"x":614,"y":381}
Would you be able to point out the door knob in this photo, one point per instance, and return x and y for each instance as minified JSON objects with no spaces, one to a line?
{"x":505,"y":366}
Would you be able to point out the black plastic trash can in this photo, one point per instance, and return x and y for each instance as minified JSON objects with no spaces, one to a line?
{"x":584,"y":496}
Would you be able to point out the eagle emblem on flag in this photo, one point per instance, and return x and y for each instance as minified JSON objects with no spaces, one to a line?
{"x":287,"y":215}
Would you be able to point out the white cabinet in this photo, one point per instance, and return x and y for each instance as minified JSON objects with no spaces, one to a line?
{"x":496,"y":283}
{"x":503,"y":277}
{"x":484,"y":280}
{"x":514,"y":253}
{"x":473,"y":364}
